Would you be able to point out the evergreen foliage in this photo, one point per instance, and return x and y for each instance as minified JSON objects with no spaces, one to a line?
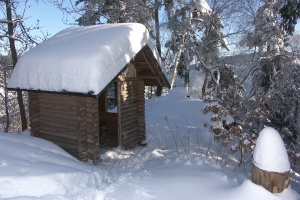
{"x":290,"y":12}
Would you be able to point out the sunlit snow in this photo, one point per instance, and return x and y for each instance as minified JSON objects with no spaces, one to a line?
{"x":32,"y":168}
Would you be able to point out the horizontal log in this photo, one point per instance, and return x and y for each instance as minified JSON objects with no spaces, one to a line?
{"x":73,"y":152}
{"x":66,"y":121}
{"x":92,"y":107}
{"x":128,"y":84}
{"x":82,"y":123}
{"x":34,"y":114}
{"x":129,"y":114}
{"x":92,"y":140}
{"x":34,"y":119}
{"x":33,"y":105}
{"x":58,"y":106}
{"x":92,"y":133}
{"x":128,"y":126}
{"x":47,"y":126}
{"x":33,"y":110}
{"x":125,"y":106}
{"x":130,"y":131}
{"x":69,"y":102}
{"x":125,"y":122}
{"x":91,"y":100}
{"x":130,"y":143}
{"x":128,"y":111}
{"x":92,"y":120}
{"x":92,"y":114}
{"x":92,"y":125}
{"x":61,"y":135}
{"x":61,"y":115}
{"x":49,"y":96}
{"x":60,"y":131}
{"x":62,"y":140}
{"x":128,"y":93}
{"x":59,"y":125}
{"x":129,"y":101}
{"x":34,"y":126}
{"x":35,"y":131}
{"x":69,"y":110}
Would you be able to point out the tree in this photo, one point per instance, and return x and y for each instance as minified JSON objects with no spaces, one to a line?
{"x":5,"y":70}
{"x":294,"y":44}
{"x":196,"y":33}
{"x":274,"y":98}
{"x":290,"y":12}
{"x":14,"y":30}
{"x":157,"y":6}
{"x":116,"y":11}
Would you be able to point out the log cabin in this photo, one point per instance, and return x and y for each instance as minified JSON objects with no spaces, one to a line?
{"x":67,"y":77}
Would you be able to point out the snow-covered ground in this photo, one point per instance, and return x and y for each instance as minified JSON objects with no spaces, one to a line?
{"x":173,"y":165}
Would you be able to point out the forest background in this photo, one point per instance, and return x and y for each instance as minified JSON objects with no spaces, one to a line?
{"x":247,"y":51}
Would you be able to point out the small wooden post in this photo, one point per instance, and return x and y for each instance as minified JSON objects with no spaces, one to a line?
{"x":271,"y":168}
{"x":272,"y":181}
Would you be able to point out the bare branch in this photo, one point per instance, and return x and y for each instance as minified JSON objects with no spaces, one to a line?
{"x":12,"y":37}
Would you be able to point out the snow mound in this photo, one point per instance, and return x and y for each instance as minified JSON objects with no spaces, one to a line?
{"x":33,"y":167}
{"x":270,"y":153}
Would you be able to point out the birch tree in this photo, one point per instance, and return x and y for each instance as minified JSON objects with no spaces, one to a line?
{"x":196,"y":31}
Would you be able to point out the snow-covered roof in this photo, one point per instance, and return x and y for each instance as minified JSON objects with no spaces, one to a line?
{"x":81,"y":59}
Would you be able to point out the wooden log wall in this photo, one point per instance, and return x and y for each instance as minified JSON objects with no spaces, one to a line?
{"x":131,"y":119}
{"x":141,"y":110}
{"x":71,"y":122}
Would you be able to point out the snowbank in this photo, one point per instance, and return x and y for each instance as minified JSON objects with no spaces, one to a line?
{"x":33,"y":167}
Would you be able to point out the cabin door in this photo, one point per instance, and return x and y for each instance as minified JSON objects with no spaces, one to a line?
{"x":131,"y":111}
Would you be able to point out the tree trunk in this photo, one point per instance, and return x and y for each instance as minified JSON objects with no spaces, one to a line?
{"x":10,"y":27}
{"x":177,"y":60}
{"x":157,"y":37}
{"x":204,"y":86}
{"x":6,"y":102}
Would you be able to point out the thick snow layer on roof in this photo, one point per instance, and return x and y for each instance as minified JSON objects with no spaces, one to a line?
{"x":80,"y":59}
{"x":270,"y":153}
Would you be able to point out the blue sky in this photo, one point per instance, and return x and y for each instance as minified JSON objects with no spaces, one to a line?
{"x":51,"y":19}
